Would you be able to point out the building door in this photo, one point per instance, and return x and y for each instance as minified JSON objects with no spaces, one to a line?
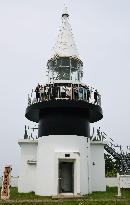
{"x":66,"y":173}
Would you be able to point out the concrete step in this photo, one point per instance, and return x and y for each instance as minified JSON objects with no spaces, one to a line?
{"x":67,"y":196}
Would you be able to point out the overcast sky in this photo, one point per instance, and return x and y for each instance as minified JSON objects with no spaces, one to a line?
{"x":28,"y":31}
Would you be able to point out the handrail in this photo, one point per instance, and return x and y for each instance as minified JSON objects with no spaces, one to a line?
{"x":57,"y":91}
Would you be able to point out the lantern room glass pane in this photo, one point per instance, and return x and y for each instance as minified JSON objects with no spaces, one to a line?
{"x":63,"y":73}
{"x":65,"y":69}
{"x":59,"y":62}
{"x":65,"y":62}
{"x":74,"y":63}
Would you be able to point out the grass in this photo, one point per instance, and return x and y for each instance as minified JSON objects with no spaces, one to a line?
{"x":96,"y":198}
{"x":67,"y":203}
{"x":110,"y":193}
{"x":14,"y":195}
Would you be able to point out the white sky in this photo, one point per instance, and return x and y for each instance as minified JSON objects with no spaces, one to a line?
{"x":28,"y":31}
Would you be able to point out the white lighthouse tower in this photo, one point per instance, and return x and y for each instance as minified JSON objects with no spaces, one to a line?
{"x":64,"y":159}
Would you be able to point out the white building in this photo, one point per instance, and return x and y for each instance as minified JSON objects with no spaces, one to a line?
{"x":63,"y":160}
{"x":52,"y":163}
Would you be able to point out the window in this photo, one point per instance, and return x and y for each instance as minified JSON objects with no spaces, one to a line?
{"x":65,"y":62}
{"x":74,"y":63}
{"x":58,"y":62}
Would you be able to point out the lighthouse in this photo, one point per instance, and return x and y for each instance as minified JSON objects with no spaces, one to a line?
{"x":63,"y":160}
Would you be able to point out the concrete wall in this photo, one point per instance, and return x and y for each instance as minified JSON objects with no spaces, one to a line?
{"x":52,"y":148}
{"x":27,"y":175}
{"x":111,"y":181}
{"x":97,"y":166}
{"x":14,"y":181}
{"x":42,"y":175}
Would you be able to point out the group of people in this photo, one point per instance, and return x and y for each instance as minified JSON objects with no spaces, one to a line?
{"x":66,"y":91}
{"x":98,"y":136}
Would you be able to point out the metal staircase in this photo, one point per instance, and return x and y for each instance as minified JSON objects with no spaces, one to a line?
{"x":124,"y":160}
{"x":122,"y":157}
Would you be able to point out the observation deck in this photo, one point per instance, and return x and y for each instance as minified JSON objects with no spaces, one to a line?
{"x":64,"y":108}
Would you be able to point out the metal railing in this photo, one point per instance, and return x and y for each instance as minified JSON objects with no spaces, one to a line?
{"x":116,"y":151}
{"x":74,"y":92}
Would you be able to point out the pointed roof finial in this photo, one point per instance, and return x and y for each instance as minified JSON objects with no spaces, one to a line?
{"x":65,"y":45}
{"x":65,"y":11}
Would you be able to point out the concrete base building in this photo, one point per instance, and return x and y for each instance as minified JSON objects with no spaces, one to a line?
{"x":63,"y":160}
{"x":62,"y":164}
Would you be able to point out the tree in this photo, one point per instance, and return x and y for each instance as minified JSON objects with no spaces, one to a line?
{"x":111,"y":166}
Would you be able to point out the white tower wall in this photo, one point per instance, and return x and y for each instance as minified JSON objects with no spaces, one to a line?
{"x":43,"y":155}
{"x":53,"y":148}
{"x":97,"y":166}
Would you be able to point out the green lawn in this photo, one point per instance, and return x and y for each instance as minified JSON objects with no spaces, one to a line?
{"x":68,"y":203}
{"x":14,"y":195}
{"x":96,"y":198}
{"x":110,"y":193}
